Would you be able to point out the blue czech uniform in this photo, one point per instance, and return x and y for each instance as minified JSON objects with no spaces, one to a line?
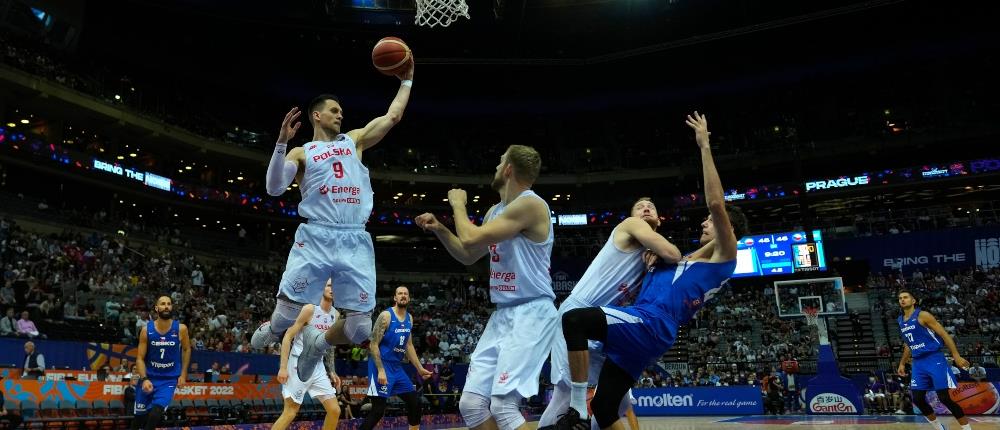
{"x":930,"y":369}
{"x":163,"y":367}
{"x":670,"y":297}
{"x":392,"y":348}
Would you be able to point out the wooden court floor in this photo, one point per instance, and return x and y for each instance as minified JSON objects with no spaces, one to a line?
{"x":803,"y":422}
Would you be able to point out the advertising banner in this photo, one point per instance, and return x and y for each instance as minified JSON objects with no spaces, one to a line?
{"x":923,"y":250}
{"x":697,"y":401}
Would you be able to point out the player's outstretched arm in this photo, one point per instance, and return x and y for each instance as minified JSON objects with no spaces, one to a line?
{"x":725,"y":240}
{"x":305,"y":315}
{"x":185,"y":354}
{"x":452,"y":244}
{"x":651,"y":240}
{"x":927,"y":320}
{"x":283,"y":168}
{"x":376,"y":129}
{"x":378,"y":331}
{"x":520,"y":215}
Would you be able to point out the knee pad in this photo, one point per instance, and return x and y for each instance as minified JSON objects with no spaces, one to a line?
{"x":475,"y":408}
{"x":506,"y":412}
{"x":945,"y":398}
{"x":358,"y":326}
{"x":284,"y":315}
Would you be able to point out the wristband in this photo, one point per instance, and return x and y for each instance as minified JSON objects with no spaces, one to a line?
{"x":407,"y":83}
{"x":280,"y":147}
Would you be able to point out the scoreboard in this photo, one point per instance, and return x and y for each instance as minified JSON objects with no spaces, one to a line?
{"x":779,"y":254}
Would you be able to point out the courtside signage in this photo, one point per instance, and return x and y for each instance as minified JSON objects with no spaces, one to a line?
{"x":697,"y":401}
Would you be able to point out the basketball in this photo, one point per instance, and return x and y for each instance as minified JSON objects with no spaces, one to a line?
{"x":976,"y":398}
{"x":391,"y":56}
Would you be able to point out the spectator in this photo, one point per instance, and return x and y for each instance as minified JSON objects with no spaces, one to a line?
{"x":977,"y":372}
{"x":34,"y":361}
{"x":8,"y":325}
{"x":26,"y":327}
{"x":69,"y":309}
{"x":197,"y":277}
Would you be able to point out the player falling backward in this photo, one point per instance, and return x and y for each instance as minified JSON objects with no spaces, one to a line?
{"x":318,"y":385}
{"x":336,"y":201}
{"x":612,"y":277}
{"x":672,"y":293}
{"x":922,"y":338}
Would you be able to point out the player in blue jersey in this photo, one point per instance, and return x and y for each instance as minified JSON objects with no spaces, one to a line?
{"x":162,"y":362}
{"x":390,"y":341}
{"x":672,"y":293}
{"x":923,"y":337}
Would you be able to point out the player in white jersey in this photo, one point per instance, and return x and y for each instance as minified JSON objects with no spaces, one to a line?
{"x":611,"y":278}
{"x":517,"y":235}
{"x":318,"y":385}
{"x":336,"y":201}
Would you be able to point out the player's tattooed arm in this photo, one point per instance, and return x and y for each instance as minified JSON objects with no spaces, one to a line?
{"x":378,"y":331}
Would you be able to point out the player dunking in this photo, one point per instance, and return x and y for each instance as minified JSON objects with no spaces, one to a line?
{"x":389,"y":342}
{"x":337,"y":201}
{"x":319,"y":384}
{"x":613,"y":276}
{"x":517,"y":234}
{"x":161,"y":361}
{"x":672,"y":293}
{"x":922,"y":337}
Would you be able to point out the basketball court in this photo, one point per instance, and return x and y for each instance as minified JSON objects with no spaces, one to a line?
{"x":764,"y":422}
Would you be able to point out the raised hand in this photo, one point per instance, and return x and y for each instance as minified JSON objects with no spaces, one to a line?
{"x":287,"y":129}
{"x":699,"y":123}
{"x":428,"y":222}
{"x":458,"y":197}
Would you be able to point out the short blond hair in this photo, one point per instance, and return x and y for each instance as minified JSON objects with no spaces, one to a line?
{"x":526,"y":161}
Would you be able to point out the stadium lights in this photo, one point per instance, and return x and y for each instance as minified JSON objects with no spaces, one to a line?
{"x":121,"y":157}
{"x":295,"y":185}
{"x":10,"y":124}
{"x":239,"y":178}
{"x":118,"y":97}
{"x":24,"y":121}
{"x":444,"y":200}
{"x":187,"y":167}
{"x":132,"y":154}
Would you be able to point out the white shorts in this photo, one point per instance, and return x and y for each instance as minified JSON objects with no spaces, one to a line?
{"x":559,"y":371}
{"x":323,"y":251}
{"x":510,"y":354}
{"x":318,"y":385}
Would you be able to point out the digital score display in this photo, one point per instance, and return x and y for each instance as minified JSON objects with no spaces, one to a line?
{"x":779,"y":254}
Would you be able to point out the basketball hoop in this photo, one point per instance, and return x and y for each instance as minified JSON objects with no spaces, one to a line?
{"x":431,"y":13}
{"x":812,"y":315}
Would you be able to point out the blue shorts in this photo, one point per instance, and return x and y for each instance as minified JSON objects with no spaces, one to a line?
{"x":162,"y":395}
{"x":398,"y":382}
{"x":932,"y":373}
{"x":636,"y":339}
{"x":323,"y":251}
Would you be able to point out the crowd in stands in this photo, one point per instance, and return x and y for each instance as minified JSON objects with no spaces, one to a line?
{"x":97,"y":80}
{"x":965,"y":302}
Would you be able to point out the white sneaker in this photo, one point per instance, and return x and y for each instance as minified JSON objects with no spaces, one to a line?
{"x":311,"y":354}
{"x":262,"y":337}
{"x":900,"y":412}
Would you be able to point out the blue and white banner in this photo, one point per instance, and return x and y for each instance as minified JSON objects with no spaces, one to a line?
{"x":938,"y":250}
{"x":698,"y":401}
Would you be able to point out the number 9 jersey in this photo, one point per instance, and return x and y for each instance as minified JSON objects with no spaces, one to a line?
{"x":335,"y":187}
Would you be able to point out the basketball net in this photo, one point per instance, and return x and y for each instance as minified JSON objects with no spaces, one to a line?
{"x":812,"y":318}
{"x":431,"y":13}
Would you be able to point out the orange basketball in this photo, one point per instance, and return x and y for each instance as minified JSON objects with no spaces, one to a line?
{"x":976,"y":398}
{"x":391,"y":56}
